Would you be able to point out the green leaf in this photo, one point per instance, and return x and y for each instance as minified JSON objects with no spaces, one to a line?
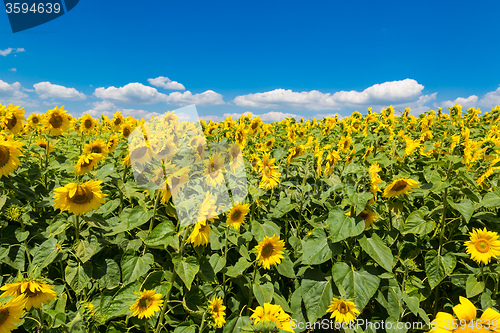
{"x":358,"y":285}
{"x":437,"y":267}
{"x":285,"y":268}
{"x":284,"y":206}
{"x":264,"y":292}
{"x":85,"y":249}
{"x":3,"y":199}
{"x":217,"y":262}
{"x":342,"y":226}
{"x":238,"y":268}
{"x":266,"y":229}
{"x":44,"y":255}
{"x":21,"y":235}
{"x":316,"y":249}
{"x":317,"y":295}
{"x":359,"y":201}
{"x":416,"y":223}
{"x":160,"y":235}
{"x":77,"y":275}
{"x":111,"y":276}
{"x":490,"y":200}
{"x":473,"y":287}
{"x":185,"y":329}
{"x":186,"y":269}
{"x":412,"y":302}
{"x":134,"y":266}
{"x":235,"y":325}
{"x":130,"y":219}
{"x":465,"y":207}
{"x":376,"y":248}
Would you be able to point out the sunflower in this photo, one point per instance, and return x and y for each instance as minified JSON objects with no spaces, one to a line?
{"x":367,"y":215}
{"x":42,"y":143}
{"x":112,"y":143}
{"x":270,"y":251}
{"x":236,"y":158}
{"x":295,"y":152}
{"x":140,"y":154}
{"x":215,"y":168}
{"x":79,"y":198}
{"x":342,"y":310}
{"x":164,"y":150}
{"x":11,"y":313}
{"x":240,"y":136}
{"x":87,"y":162}
{"x":200,"y":234}
{"x":56,"y":121}
{"x":34,"y":291}
{"x":126,"y":129}
{"x":400,"y":186}
{"x":148,"y":302}
{"x":272,"y":313}
{"x":269,"y":172}
{"x":466,"y":320}
{"x":217,"y":309}
{"x":255,"y":161}
{"x":9,"y":151}
{"x":236,"y":217}
{"x":87,"y":123}
{"x":117,"y":121}
{"x":13,"y":119}
{"x":97,"y":146}
{"x":34,"y":120}
{"x":269,"y":144}
{"x":483,"y":245}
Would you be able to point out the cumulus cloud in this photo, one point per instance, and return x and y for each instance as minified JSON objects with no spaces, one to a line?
{"x":165,"y":83}
{"x":108,"y":109}
{"x":48,"y":90}
{"x":268,"y":117}
{"x":393,"y":92}
{"x":491,"y":99}
{"x":10,"y":50}
{"x":13,"y":69}
{"x":132,"y":93}
{"x":11,"y":91}
{"x":469,"y":102}
{"x":208,"y":97}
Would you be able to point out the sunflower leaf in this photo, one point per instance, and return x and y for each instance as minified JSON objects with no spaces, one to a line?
{"x":186,"y":269}
{"x":342,"y":226}
{"x":437,"y":267}
{"x":376,"y":249}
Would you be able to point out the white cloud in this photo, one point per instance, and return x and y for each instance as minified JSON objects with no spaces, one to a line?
{"x":166,"y":83}
{"x":10,"y":50}
{"x":419,"y":106}
{"x":208,"y":97}
{"x":469,"y":102}
{"x":491,"y":99}
{"x":108,"y":109}
{"x":11,"y":91}
{"x":393,"y":92}
{"x":132,"y":93}
{"x":269,"y":116}
{"x":48,"y":90}
{"x":13,"y":69}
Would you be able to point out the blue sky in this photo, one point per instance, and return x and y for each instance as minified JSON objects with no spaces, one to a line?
{"x":271,"y":58}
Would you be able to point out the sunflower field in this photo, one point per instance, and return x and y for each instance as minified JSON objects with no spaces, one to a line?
{"x":381,"y":222}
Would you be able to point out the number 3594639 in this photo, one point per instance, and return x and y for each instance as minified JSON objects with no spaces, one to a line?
{"x":40,"y":8}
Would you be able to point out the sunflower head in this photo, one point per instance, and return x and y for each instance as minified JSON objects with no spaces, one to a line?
{"x":56,"y":121}
{"x":271,"y":314}
{"x":483,"y":245}
{"x":13,"y":119}
{"x":147,"y":304}
{"x":400,"y":186}
{"x":97,"y":147}
{"x":79,"y":198}
{"x":270,"y":251}
{"x":34,"y":291}
{"x":217,"y":310}
{"x":236,"y":216}
{"x":11,"y":313}
{"x":9,"y":152}
{"x":87,"y":162}
{"x":87,"y":123}
{"x":343,"y":310}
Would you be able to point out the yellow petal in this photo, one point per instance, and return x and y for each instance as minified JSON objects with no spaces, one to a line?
{"x":465,"y":310}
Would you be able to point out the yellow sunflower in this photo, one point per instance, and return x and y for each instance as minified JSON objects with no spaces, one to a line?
{"x":236,"y":217}
{"x":295,"y":152}
{"x":79,"y":198}
{"x":9,"y":151}
{"x":34,"y":291}
{"x":42,"y":143}
{"x":367,"y":215}
{"x":87,"y":123}
{"x":11,"y":313}
{"x":112,"y":143}
{"x":34,"y":120}
{"x":269,"y":172}
{"x":13,"y":119}
{"x":148,"y":302}
{"x":400,"y":186}
{"x":215,"y":168}
{"x":97,"y":146}
{"x":466,"y":321}
{"x":272,"y":313}
{"x":200,"y":234}
{"x":270,"y":251}
{"x":56,"y":121}
{"x":483,"y":245}
{"x":240,"y":136}
{"x":87,"y":162}
{"x":217,"y":309}
{"x":117,"y":121}
{"x":126,"y":129}
{"x":342,"y":310}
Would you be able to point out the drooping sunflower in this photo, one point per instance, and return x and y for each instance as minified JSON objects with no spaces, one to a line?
{"x":56,"y":121}
{"x":87,"y":123}
{"x":9,"y":152}
{"x":269,"y":172}
{"x":295,"y":152}
{"x":342,"y":310}
{"x":42,"y":143}
{"x":367,"y":215}
{"x":217,"y":309}
{"x":96,"y":146}
{"x":272,"y":313}
{"x":11,"y":313}
{"x":87,"y":162}
{"x":215,"y":168}
{"x":148,"y":302}
{"x":79,"y":198}
{"x":483,"y":245}
{"x":200,"y":234}
{"x":236,"y":216}
{"x":235,"y":158}
{"x":270,"y":251}
{"x":112,"y":143}
{"x":466,"y":320}
{"x":34,"y":291}
{"x":13,"y":119}
{"x":240,"y":136}
{"x":400,"y":186}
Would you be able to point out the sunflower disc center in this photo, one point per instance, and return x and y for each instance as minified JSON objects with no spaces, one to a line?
{"x":4,"y":315}
{"x":88,"y":123}
{"x":399,"y":186}
{"x":82,"y":195}
{"x":12,"y":122}
{"x":267,"y":250}
{"x":144,"y":302}
{"x":482,"y":246}
{"x":236,"y":215}
{"x":56,"y":121}
{"x":4,"y":155}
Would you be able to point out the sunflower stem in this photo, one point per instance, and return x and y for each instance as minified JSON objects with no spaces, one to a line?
{"x":225,"y":261}
{"x":46,"y":161}
{"x":481,"y":266}
{"x":40,"y":315}
{"x":250,"y":299}
{"x":77,"y":228}
{"x":151,"y":223}
{"x":202,"y":325}
{"x":171,"y":283}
